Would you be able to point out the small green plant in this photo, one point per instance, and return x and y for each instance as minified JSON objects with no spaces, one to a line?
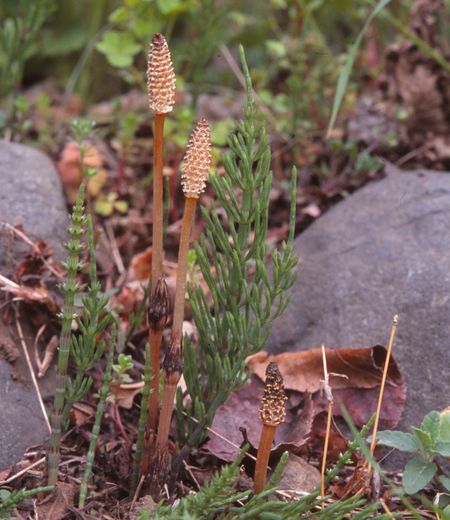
{"x":70,"y":288}
{"x":11,"y":499}
{"x":84,"y":349}
{"x":104,"y":392}
{"x":81,"y":129}
{"x":432,"y":439}
{"x":124,"y":364}
{"x":18,"y":43}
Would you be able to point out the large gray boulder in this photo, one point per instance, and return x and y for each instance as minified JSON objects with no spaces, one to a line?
{"x":385,"y":250}
{"x":30,"y":195}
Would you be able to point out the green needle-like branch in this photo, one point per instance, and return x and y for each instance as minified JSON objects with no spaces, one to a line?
{"x":104,"y":392}
{"x":70,"y":287}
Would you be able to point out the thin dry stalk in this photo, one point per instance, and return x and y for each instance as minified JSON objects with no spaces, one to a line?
{"x":383,"y":382}
{"x":329,"y":396}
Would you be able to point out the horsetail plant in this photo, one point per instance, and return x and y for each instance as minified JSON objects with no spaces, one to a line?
{"x":70,"y":287}
{"x":196,"y":166}
{"x":245,"y":301}
{"x":161,"y":88}
{"x":104,"y":392}
{"x":272,"y":413}
{"x":84,"y":349}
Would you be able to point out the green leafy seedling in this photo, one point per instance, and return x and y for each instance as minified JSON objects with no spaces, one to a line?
{"x":119,"y":48}
{"x":121,"y":369}
{"x":105,"y":205}
{"x":428,"y":441}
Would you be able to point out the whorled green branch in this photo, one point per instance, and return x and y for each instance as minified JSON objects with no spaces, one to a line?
{"x":70,"y":287}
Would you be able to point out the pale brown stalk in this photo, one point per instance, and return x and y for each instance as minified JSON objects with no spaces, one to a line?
{"x":272,"y":413}
{"x":161,"y":88}
{"x":383,"y":382}
{"x":158,"y":313}
{"x":172,"y":370}
{"x":195,"y":170}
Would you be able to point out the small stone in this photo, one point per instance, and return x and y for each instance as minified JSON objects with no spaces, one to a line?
{"x":298,"y":476}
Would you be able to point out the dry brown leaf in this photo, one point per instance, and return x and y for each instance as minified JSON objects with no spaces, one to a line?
{"x":125,"y":394}
{"x":141,"y":266}
{"x":302,"y":371}
{"x":58,"y":503}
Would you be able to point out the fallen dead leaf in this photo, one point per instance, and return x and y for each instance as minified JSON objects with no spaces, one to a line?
{"x":58,"y":502}
{"x":302,"y":371}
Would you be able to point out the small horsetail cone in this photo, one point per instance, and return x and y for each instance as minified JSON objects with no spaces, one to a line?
{"x":272,"y":413}
{"x":197,"y":161}
{"x":161,"y":78}
{"x":273,"y":408}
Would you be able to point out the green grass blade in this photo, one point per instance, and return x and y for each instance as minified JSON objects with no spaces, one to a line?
{"x":345,"y":74}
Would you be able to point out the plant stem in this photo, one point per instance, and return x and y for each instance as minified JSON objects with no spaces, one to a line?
{"x":158,"y":190}
{"x":70,"y":287}
{"x":383,"y":382}
{"x":172,"y":370}
{"x":180,"y":291}
{"x":107,"y":379}
{"x":262,"y":458}
{"x":272,"y":413}
{"x":155,"y":337}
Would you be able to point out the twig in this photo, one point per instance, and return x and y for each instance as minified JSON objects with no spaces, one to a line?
{"x":22,"y":472}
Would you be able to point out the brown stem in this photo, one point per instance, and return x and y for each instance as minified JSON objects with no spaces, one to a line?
{"x":157,"y":249}
{"x":158,"y":312}
{"x":262,"y":458}
{"x":158,"y":190}
{"x":153,"y":398}
{"x":172,"y":370}
{"x":180,"y":291}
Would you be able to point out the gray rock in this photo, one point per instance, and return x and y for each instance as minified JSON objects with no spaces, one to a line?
{"x":31,"y":194}
{"x":383,"y":251}
{"x":22,"y":419}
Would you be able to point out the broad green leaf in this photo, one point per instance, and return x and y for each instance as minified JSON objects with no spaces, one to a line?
{"x":417,"y":475}
{"x":171,"y":7}
{"x":119,"y":48}
{"x":345,"y":74}
{"x":424,"y":439}
{"x":399,"y":440}
{"x":442,"y":448}
{"x":431,"y":424}
{"x":445,"y":426}
{"x":445,"y":481}
{"x":119,"y":15}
